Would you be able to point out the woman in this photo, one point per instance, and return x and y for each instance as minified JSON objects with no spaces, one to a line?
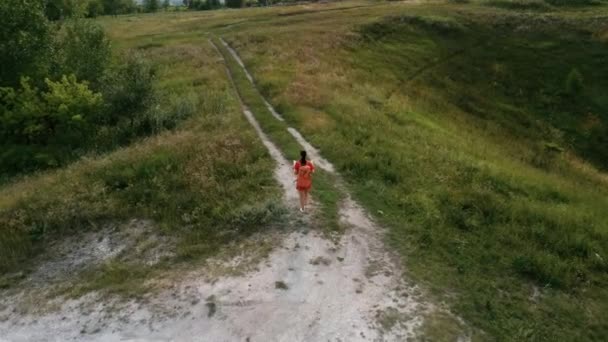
{"x":303,"y":170}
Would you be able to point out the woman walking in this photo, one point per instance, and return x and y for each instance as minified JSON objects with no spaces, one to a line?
{"x":303,"y":170}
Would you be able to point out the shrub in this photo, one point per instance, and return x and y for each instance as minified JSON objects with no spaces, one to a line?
{"x":234,"y":3}
{"x":390,"y":26}
{"x":25,"y":39}
{"x":40,"y":129}
{"x":572,"y":2}
{"x":166,"y":115}
{"x":129,"y":90}
{"x":61,"y":9}
{"x":82,"y":49}
{"x":202,"y":5}
{"x":151,"y":5}
{"x":114,"y":7}
{"x":250,"y":217}
{"x":547,"y":155}
{"x":519,"y":4}
{"x":574,"y":82}
{"x":72,"y":104}
{"x":94,"y":9}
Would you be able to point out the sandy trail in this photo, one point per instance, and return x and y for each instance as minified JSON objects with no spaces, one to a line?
{"x":308,"y":289}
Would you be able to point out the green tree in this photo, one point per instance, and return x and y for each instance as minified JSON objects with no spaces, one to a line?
{"x":82,"y":49}
{"x":114,"y":7}
{"x":42,"y":129}
{"x":234,"y":3}
{"x":34,"y":117}
{"x":129,"y":6}
{"x":151,"y":5}
{"x":166,"y":4}
{"x":17,"y":107}
{"x":62,"y":9}
{"x":25,"y":38}
{"x":111,"y":7}
{"x":574,"y":82}
{"x":94,"y":8}
{"x":129,"y":91}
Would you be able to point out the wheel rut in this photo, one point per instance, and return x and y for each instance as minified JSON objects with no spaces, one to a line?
{"x":378,"y":279}
{"x":308,"y":288}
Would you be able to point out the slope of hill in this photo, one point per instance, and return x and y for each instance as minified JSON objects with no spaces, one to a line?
{"x":460,"y":126}
{"x":475,"y":132}
{"x":197,"y":184}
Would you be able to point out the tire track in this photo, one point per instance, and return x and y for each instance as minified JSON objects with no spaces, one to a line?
{"x":377,"y":270}
{"x":312,"y":151}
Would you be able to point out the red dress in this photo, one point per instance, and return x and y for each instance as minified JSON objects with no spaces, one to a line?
{"x":304,"y":173}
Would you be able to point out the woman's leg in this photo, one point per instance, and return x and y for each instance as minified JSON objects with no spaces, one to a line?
{"x":306,"y":197}
{"x":302,"y":198}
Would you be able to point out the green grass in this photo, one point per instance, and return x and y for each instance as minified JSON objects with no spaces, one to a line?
{"x":115,"y":278}
{"x":455,"y":123}
{"x":325,"y":192}
{"x":207,"y":183}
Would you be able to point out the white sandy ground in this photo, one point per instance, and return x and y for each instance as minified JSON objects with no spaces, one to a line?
{"x":309,"y":288}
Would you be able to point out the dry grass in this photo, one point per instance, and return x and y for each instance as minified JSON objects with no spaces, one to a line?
{"x":470,"y":195}
{"x":449,"y":157}
{"x":208,"y":182}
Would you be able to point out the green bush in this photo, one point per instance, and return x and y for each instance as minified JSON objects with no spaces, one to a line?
{"x":393,"y":26}
{"x":25,"y":40}
{"x":546,"y":269}
{"x":114,"y":7}
{"x":572,"y":2}
{"x":94,"y":9}
{"x":50,"y":118}
{"x":82,"y":49}
{"x":151,"y":5}
{"x":129,"y":91}
{"x":250,"y":217}
{"x":234,"y":3}
{"x":175,"y":108}
{"x":62,"y":9}
{"x":519,"y":4}
{"x":546,"y":155}
{"x":202,"y":5}
{"x":574,"y":82}
{"x":40,"y":129}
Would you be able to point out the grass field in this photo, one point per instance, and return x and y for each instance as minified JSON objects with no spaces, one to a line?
{"x":475,"y":132}
{"x":207,"y":183}
{"x":453,"y":123}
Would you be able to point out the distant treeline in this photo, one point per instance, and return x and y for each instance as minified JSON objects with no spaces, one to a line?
{"x":61,"y":9}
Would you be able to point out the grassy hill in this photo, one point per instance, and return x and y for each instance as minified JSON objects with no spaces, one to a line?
{"x":475,"y":131}
{"x":199,"y":183}
{"x":458,"y":125}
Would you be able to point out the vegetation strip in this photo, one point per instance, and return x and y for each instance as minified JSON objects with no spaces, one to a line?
{"x":405,"y":300}
{"x":312,"y":151}
{"x":326,"y":192}
{"x":480,"y":166}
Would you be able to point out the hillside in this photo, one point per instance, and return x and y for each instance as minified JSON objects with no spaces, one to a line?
{"x":474,"y":132}
{"x":455,"y":125}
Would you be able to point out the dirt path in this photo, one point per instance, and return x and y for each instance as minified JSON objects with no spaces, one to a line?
{"x":308,"y":289}
{"x":386,"y":291}
{"x":313,"y":153}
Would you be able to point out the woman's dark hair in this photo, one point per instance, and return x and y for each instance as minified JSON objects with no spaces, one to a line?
{"x":303,"y":159}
